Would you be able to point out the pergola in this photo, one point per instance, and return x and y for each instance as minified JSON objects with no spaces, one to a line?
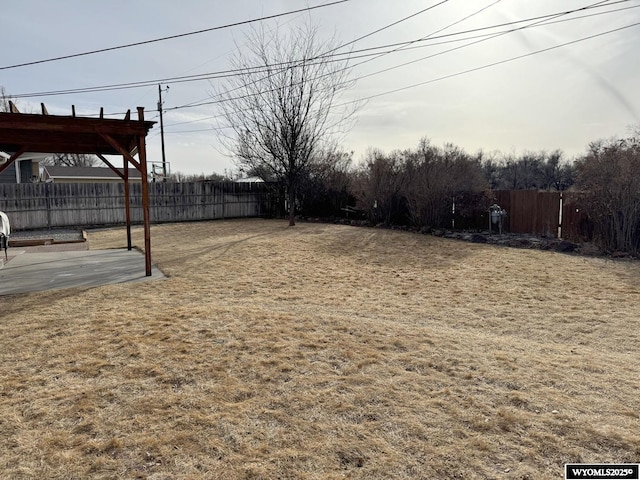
{"x":22,"y":132}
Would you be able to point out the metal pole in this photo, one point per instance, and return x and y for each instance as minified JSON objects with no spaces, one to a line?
{"x":164,"y":161}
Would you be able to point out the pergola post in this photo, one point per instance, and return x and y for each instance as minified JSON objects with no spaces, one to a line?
{"x":127,"y":207}
{"x":142,"y":155}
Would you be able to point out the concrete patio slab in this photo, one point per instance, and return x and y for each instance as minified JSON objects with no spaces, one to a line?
{"x":39,"y":271}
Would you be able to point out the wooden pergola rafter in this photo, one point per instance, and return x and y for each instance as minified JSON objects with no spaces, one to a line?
{"x":22,"y":132}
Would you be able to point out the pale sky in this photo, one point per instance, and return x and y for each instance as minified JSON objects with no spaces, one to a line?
{"x":559,"y":99}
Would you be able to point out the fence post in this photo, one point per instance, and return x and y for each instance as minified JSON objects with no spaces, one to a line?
{"x":224,"y":198}
{"x":47,"y":194}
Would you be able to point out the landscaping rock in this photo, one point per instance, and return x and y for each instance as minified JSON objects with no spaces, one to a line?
{"x":566,"y":246}
{"x":477,"y":238}
{"x":618,"y":254}
{"x":589,"y":249}
{"x":519,"y":243}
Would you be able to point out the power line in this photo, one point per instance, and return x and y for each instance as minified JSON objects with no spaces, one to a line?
{"x":388,"y":26}
{"x":459,"y":73}
{"x":539,"y":22}
{"x":172,"y":37}
{"x":403,"y":46}
{"x":220,"y":74}
{"x":452,"y":75}
{"x":496,"y":63}
{"x":431,"y":35}
{"x":490,"y":37}
{"x":554,"y":15}
{"x":378,"y":55}
{"x":465,"y":71}
{"x":352,"y":42}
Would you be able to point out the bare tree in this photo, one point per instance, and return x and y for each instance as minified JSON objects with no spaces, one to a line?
{"x":71,"y":160}
{"x":283,"y":110}
{"x":4,"y":100}
{"x":529,"y":171}
{"x":7,"y":99}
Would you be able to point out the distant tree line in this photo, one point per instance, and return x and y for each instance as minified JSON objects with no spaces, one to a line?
{"x":529,"y":171}
{"x":416,"y":186}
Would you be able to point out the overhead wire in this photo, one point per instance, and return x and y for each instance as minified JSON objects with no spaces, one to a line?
{"x":463,"y":72}
{"x":478,"y":68}
{"x":500,"y":62}
{"x":207,"y":100}
{"x":219,"y":74}
{"x":553,"y":16}
{"x":353,"y":42}
{"x":431,"y":35}
{"x":172,"y":37}
{"x":407,"y":45}
{"x":384,"y":28}
{"x":490,"y":37}
{"x":550,"y":16}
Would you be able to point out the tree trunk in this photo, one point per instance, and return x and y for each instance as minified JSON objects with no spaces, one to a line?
{"x":292,"y":206}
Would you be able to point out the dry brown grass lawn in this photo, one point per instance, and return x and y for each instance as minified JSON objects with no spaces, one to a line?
{"x":324,"y":352}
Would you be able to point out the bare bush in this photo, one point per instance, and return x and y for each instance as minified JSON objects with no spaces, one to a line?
{"x":380,"y":185}
{"x":326,"y":189}
{"x":418,"y":186}
{"x":437,"y":176}
{"x":609,"y":179}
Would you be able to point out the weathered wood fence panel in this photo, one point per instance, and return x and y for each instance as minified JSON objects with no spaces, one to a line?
{"x":528,"y":211}
{"x":51,"y":205}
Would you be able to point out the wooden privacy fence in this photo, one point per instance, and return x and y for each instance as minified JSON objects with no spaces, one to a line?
{"x":538,"y":213}
{"x":52,"y":205}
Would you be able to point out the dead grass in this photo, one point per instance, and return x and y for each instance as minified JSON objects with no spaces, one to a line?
{"x":324,"y":352}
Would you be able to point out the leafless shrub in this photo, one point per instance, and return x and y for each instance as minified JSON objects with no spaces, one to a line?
{"x":609,"y":179}
{"x":418,"y":186}
{"x":379,"y":187}
{"x":437,"y":176}
{"x":326,"y":188}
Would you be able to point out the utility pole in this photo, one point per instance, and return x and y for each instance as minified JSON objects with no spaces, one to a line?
{"x":164,"y":160}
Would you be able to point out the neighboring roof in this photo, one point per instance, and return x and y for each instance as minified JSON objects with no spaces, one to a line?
{"x":250,"y":180}
{"x":54,"y":172}
{"x":4,"y":156}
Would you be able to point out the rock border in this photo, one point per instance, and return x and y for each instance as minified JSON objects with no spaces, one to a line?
{"x":511,"y":240}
